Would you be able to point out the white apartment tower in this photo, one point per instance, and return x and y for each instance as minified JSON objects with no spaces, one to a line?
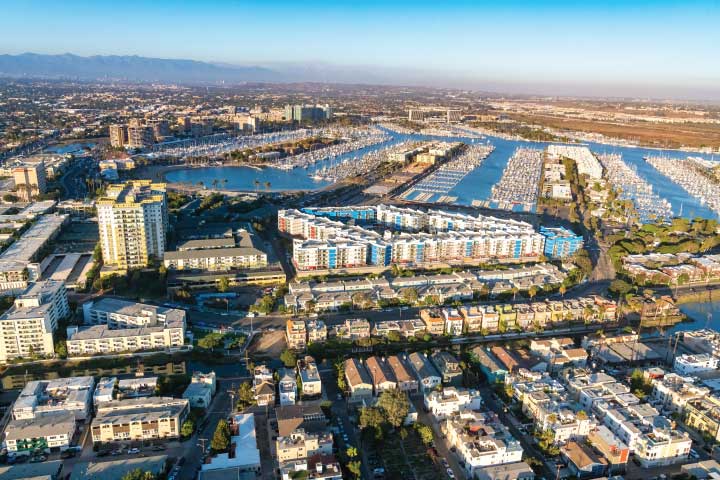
{"x":133,"y":223}
{"x":26,"y":329}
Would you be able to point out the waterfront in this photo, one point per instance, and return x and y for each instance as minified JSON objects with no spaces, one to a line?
{"x":702,"y":314}
{"x":244,"y":178}
{"x":475,"y":186}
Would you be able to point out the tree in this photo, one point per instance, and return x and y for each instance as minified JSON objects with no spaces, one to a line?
{"x":354,"y":466}
{"x":61,"y":349}
{"x":288,"y":358}
{"x":221,"y":438}
{"x":395,"y":406}
{"x":532,"y":291}
{"x":619,"y":287}
{"x":372,"y":418}
{"x":425,"y":432}
{"x":246,"y":396}
{"x":394,"y":336}
{"x":223,"y":284}
{"x":138,"y":474}
{"x":409,"y":295}
{"x":187,"y":429}
{"x":562,"y":290}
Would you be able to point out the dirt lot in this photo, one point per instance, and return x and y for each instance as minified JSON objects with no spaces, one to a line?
{"x":656,"y":135}
{"x":268,"y":345}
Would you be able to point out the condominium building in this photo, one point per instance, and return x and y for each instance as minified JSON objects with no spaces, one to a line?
{"x":118,"y":135}
{"x":133,"y":223}
{"x":560,"y":242}
{"x":218,"y":254}
{"x":18,"y":264}
{"x":450,"y":400}
{"x":42,"y":434}
{"x":663,"y":446}
{"x":296,"y":334}
{"x":703,"y":415}
{"x":586,"y":162}
{"x":689,"y":364}
{"x":30,"y":180}
{"x":304,"y":113}
{"x":330,"y":244}
{"x":309,"y":377}
{"x":316,"y":331}
{"x":140,"y":136}
{"x":121,"y":326}
{"x":27,"y":327}
{"x":139,"y":419}
{"x":301,"y":444}
{"x":40,"y":398}
{"x":263,"y":385}
{"x":481,"y":441}
{"x":287,"y":386}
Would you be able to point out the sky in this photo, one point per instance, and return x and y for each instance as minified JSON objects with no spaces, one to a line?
{"x":624,"y":46}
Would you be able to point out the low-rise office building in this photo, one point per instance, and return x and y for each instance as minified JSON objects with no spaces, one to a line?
{"x":244,"y":458}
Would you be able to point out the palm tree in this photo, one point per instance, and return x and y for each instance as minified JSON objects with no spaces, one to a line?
{"x":257,"y":184}
{"x":267,"y":185}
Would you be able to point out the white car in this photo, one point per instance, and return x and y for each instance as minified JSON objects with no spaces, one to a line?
{"x":133,"y":451}
{"x":450,"y":473}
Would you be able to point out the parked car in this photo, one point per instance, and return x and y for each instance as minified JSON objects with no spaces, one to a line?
{"x":449,"y":473}
{"x":133,"y":451}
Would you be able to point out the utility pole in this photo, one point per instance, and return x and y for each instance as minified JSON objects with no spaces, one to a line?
{"x":201,"y":444}
{"x":232,"y":392}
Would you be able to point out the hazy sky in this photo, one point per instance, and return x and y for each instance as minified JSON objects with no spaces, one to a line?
{"x":630,"y":43}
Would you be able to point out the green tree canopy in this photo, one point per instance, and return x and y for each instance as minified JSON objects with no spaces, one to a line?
{"x":221,"y":438}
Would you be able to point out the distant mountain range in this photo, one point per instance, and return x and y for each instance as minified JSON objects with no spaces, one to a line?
{"x":130,"y":68}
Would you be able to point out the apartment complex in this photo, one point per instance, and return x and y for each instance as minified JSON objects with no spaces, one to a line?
{"x":305,"y":113}
{"x":26,"y":328}
{"x":40,"y":398}
{"x":139,"y":419}
{"x":18,"y":261}
{"x":328,"y":244}
{"x":115,"y":325}
{"x":133,"y":223}
{"x":218,"y":254}
{"x":30,"y":181}
{"x":586,"y":162}
{"x":560,"y":242}
{"x":29,"y":436}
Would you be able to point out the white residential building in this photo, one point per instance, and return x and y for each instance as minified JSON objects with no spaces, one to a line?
{"x":586,"y":162}
{"x":287,"y":387}
{"x":673,"y":392}
{"x":689,"y":364}
{"x":481,"y":441}
{"x":28,"y":436}
{"x":451,"y":400}
{"x":40,"y":398}
{"x":122,"y":326}
{"x":26,"y":328}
